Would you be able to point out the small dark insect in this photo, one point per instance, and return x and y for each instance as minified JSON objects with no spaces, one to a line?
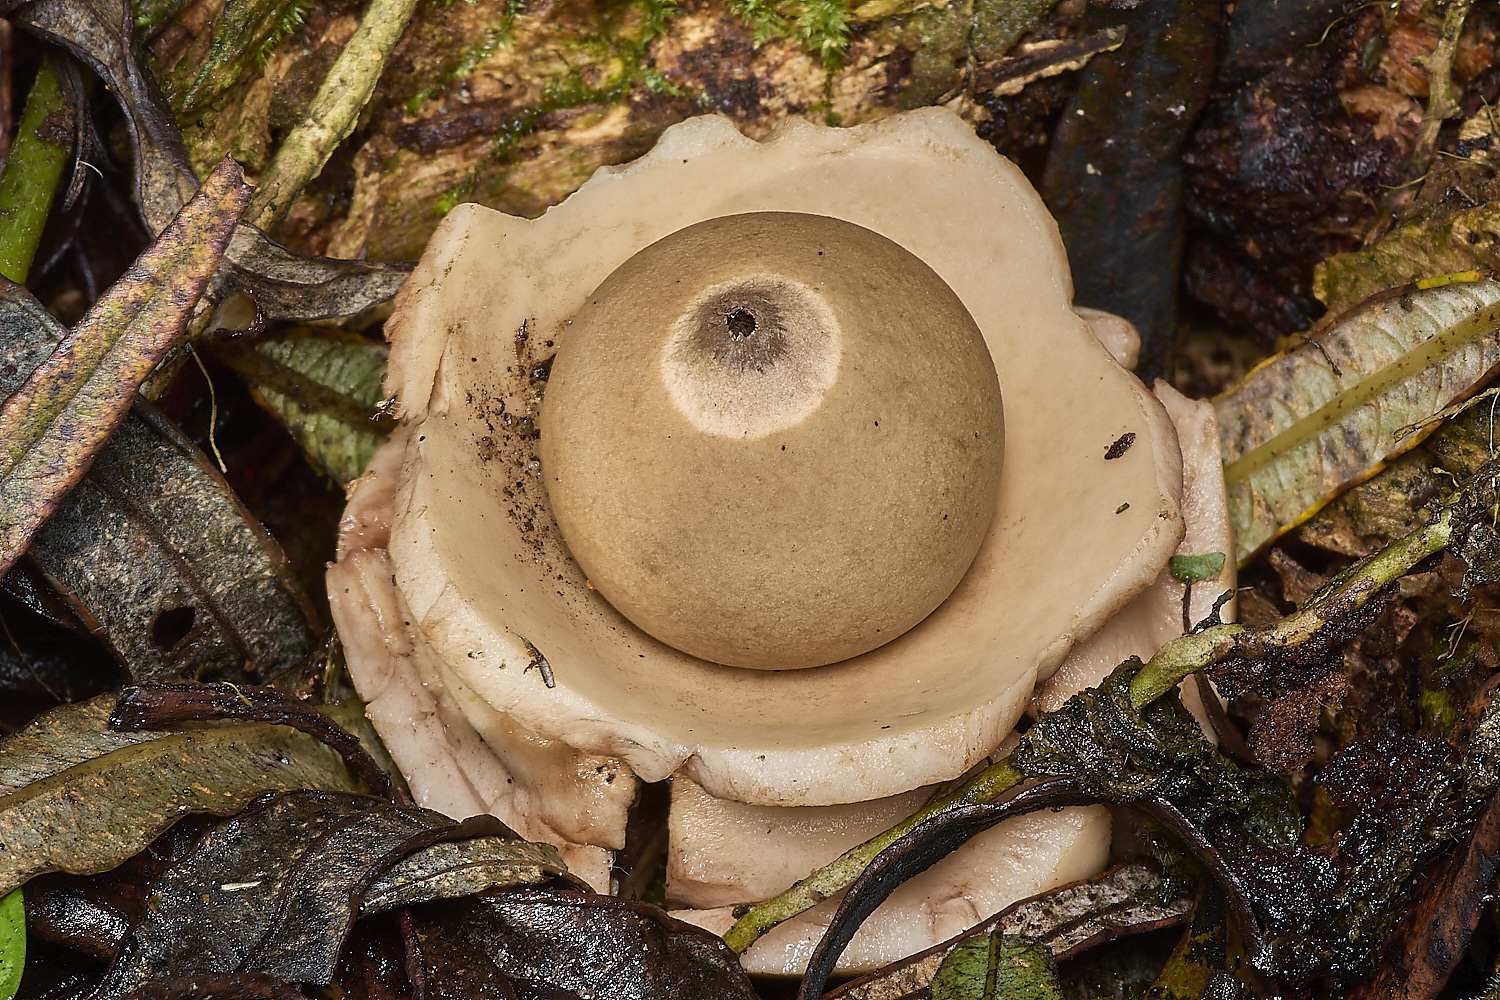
{"x":1121,"y":446}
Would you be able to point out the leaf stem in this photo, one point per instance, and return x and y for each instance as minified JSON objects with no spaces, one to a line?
{"x":1344,"y":595}
{"x":32,"y":174}
{"x":838,"y":875}
{"x":333,"y":113}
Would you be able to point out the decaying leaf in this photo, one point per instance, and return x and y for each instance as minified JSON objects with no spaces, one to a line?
{"x":325,"y":388}
{"x":283,"y":285}
{"x":159,"y":706}
{"x":181,"y":578}
{"x":1461,"y":240}
{"x":1067,"y":920}
{"x":1032,"y":61}
{"x":276,"y":889}
{"x":155,"y":549}
{"x":997,"y":967}
{"x":54,"y":423}
{"x":76,"y":796}
{"x":1199,"y":955}
{"x":449,"y":870}
{"x":1427,"y":946}
{"x":1327,"y":413}
{"x":539,"y":943}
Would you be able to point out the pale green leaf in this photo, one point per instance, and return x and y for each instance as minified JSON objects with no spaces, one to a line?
{"x":12,"y":943}
{"x":1325,"y":415}
{"x":997,"y":967}
{"x":325,"y":388}
{"x":1196,"y":569}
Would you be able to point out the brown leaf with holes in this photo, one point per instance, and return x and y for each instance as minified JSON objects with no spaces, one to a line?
{"x":182,"y":580}
{"x":154,"y":551}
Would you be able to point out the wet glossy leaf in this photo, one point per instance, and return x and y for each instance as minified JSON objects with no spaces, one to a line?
{"x":79,"y":797}
{"x":52,"y":426}
{"x":12,"y":942}
{"x":1114,"y":172}
{"x":1428,"y":945}
{"x":572,"y":946}
{"x":465,"y":868}
{"x":1315,"y":419}
{"x":997,"y":967}
{"x":1130,"y":899}
{"x":275,"y":890}
{"x":325,"y":388}
{"x":284,"y":285}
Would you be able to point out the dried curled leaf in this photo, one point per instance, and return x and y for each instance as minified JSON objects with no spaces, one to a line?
{"x":55,"y":422}
{"x":1313,"y":420}
{"x":76,"y":796}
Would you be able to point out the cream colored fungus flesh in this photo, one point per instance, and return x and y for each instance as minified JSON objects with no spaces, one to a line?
{"x":485,"y":582}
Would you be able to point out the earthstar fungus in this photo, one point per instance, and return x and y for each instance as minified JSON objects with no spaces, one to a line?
{"x":492,"y":662}
{"x":761,"y":416}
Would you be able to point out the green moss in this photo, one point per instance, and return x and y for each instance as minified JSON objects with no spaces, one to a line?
{"x":658,"y":14}
{"x":1436,"y":710}
{"x":998,"y":24}
{"x":152,"y":13}
{"x":290,"y":20}
{"x":823,"y":27}
{"x":762,"y":17}
{"x":244,"y":35}
{"x":497,"y":34}
{"x":570,"y":92}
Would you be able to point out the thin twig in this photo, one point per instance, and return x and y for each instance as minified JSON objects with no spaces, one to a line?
{"x":333,"y":113}
{"x":1347,"y":594}
{"x":837,"y":876}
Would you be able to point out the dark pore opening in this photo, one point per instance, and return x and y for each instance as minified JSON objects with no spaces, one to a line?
{"x":741,"y":329}
{"x":171,"y":626}
{"x":741,"y":324}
